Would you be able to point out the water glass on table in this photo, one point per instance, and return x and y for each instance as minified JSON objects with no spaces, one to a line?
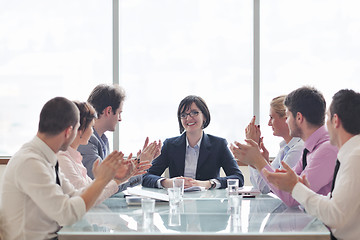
{"x":232,"y":187}
{"x":174,"y":197}
{"x":179,"y":183}
{"x":148,"y":209}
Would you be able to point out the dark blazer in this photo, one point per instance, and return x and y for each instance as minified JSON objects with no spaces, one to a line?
{"x":90,"y":152}
{"x":214,"y":154}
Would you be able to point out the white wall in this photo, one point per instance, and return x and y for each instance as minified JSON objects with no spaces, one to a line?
{"x":2,"y":169}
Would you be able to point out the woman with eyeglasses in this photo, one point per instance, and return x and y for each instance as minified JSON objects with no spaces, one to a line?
{"x":194,"y":156}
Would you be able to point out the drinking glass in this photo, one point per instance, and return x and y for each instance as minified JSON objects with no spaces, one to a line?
{"x":174,"y":197}
{"x":179,"y":183}
{"x":232,"y":186}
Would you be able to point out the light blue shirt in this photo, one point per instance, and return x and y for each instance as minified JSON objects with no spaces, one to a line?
{"x":191,"y":159}
{"x":289,"y":153}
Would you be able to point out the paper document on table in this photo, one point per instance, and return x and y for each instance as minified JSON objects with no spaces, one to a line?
{"x":249,"y":190}
{"x":194,"y":188}
{"x":133,"y":200}
{"x":145,"y":193}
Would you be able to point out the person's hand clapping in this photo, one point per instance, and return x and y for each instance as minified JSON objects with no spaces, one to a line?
{"x":248,"y":154}
{"x":107,"y":169}
{"x":253,"y":132}
{"x":125,"y":171}
{"x":284,"y":179}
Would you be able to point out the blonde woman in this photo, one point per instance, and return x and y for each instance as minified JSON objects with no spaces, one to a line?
{"x":291,"y":148}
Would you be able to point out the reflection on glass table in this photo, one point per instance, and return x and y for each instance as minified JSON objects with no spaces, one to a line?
{"x":205,"y":215}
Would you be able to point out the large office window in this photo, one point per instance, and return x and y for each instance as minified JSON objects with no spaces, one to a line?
{"x":168,"y":50}
{"x":171,"y":49}
{"x":313,"y":43}
{"x":48,"y":49}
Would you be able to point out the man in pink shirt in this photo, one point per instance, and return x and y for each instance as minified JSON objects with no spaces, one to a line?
{"x":305,"y":111}
{"x":340,"y":210}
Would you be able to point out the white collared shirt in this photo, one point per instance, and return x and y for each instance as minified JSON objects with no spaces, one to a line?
{"x":70,"y":162}
{"x":191,"y":159}
{"x":33,"y":205}
{"x":341,"y":212}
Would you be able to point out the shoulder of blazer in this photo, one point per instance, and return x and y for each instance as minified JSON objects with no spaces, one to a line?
{"x":212,"y":140}
{"x":94,"y":140}
{"x":179,"y":140}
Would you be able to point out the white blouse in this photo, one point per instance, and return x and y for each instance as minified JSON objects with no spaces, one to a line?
{"x":71,"y":166}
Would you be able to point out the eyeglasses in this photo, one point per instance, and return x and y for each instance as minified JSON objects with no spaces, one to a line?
{"x":191,"y":114}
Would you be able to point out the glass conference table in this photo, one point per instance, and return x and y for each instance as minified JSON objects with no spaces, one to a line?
{"x":203,"y":215}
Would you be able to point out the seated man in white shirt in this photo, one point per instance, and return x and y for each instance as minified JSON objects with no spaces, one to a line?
{"x":36,"y":199}
{"x":340,"y":210}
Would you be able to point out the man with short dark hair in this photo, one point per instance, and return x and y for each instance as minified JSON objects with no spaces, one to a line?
{"x":36,"y":199}
{"x":340,"y":210}
{"x":305,"y":111}
{"x":108,"y":102}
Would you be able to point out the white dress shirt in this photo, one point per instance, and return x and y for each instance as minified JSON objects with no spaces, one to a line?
{"x":341,"y":212}
{"x":289,"y":153}
{"x":191,"y":159}
{"x":33,"y":205}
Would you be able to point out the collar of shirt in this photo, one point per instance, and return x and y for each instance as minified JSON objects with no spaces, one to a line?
{"x":103,"y":137}
{"x":281,"y":154}
{"x":347,"y":148}
{"x":319,"y":136}
{"x":74,"y":154}
{"x":103,"y":141}
{"x":293,"y":142}
{"x":198,"y":143}
{"x":282,"y":144}
{"x":48,"y":153}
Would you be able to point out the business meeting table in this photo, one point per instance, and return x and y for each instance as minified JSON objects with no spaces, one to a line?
{"x":202,"y":215}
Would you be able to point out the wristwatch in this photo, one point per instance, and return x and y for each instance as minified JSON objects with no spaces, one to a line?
{"x":213,"y":184}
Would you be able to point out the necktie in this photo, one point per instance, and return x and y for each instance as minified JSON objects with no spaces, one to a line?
{"x":57,"y":173}
{"x":332,"y":188}
{"x":304,"y":162}
{"x":335,"y":173}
